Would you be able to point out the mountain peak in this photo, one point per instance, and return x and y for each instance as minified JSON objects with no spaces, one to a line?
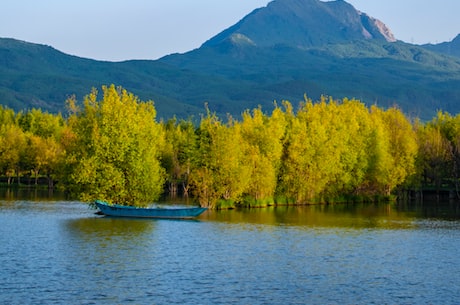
{"x":304,"y":24}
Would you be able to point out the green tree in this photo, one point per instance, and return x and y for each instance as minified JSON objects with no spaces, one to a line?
{"x":219,"y":173}
{"x":435,"y":155}
{"x":40,"y":123}
{"x":115,"y":152}
{"x":440,"y":150}
{"x":305,"y":161}
{"x":178,"y":153}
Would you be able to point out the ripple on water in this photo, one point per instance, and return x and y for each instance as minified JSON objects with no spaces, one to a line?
{"x":48,"y":256}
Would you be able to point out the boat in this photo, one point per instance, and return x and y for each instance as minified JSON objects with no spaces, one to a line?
{"x":151,"y":212}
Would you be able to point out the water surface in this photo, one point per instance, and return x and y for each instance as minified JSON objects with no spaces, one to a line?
{"x":60,"y":252}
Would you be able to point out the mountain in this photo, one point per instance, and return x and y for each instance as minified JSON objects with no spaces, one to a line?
{"x":292,"y":47}
{"x":304,"y":24}
{"x":279,"y":52}
{"x":451,"y":48}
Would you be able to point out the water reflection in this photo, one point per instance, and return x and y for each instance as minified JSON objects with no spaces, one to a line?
{"x":103,"y":243}
{"x":385,"y":216}
{"x":109,"y":229}
{"x":30,"y":193}
{"x":445,"y":210}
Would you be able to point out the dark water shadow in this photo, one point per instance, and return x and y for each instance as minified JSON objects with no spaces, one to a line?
{"x":31,"y":193}
{"x":357,"y":216}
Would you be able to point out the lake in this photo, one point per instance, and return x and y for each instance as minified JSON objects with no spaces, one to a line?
{"x":54,"y":251}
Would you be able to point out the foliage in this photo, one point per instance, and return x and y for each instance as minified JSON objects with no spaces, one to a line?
{"x":219,"y":170}
{"x":178,"y":153}
{"x":439,"y":151}
{"x":12,"y":150}
{"x":115,"y":153}
{"x":400,"y":149}
{"x":262,"y":144}
{"x":342,"y":148}
{"x":111,"y":148}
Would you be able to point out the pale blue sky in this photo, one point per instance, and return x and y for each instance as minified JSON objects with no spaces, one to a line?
{"x":148,"y":29}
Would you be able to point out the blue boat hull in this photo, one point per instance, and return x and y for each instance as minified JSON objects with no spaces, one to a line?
{"x":128,"y":211}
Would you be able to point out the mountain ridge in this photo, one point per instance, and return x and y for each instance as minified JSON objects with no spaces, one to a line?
{"x":451,"y":48}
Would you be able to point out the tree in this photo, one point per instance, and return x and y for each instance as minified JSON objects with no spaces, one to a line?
{"x":40,"y":123}
{"x":12,"y":150}
{"x":306,"y":163}
{"x":43,"y":131}
{"x":435,"y":154}
{"x":440,"y":150}
{"x":397,"y":148}
{"x":263,"y":147}
{"x":115,"y":153}
{"x":219,"y":172}
{"x":45,"y":155}
{"x":349,"y":128}
{"x":7,"y":116}
{"x":178,"y":153}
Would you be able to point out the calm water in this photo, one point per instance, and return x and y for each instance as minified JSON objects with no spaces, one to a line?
{"x":60,"y":252}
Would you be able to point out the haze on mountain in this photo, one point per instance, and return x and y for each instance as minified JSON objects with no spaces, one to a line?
{"x":279,"y":52}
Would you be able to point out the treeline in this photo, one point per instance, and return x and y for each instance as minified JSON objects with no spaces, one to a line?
{"x":111,"y":147}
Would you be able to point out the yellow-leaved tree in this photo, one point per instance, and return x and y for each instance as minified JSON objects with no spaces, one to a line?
{"x":395,"y":149}
{"x":262,"y":141}
{"x":219,"y":175}
{"x":114,"y":154}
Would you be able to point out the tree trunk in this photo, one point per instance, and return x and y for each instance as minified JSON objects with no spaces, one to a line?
{"x":185,"y":188}
{"x":50,"y":182}
{"x":18,"y":176}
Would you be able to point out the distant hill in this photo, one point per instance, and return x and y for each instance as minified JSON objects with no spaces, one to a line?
{"x":282,"y":51}
{"x":38,"y":76}
{"x":451,"y":48}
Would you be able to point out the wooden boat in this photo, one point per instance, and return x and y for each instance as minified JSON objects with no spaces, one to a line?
{"x":129,"y":211}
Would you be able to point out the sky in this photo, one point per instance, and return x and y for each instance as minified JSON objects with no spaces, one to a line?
{"x":116,"y":30}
